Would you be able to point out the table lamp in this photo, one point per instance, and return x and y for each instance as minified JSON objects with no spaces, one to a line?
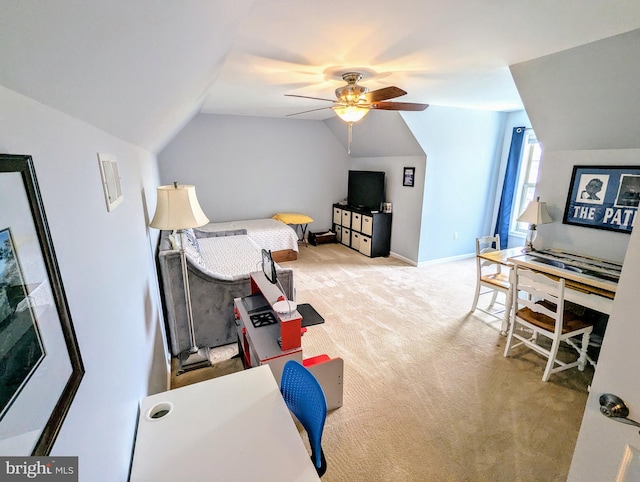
{"x":178,"y":209}
{"x":536,"y":213}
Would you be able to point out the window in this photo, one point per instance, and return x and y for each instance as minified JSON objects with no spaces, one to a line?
{"x":527,"y":180}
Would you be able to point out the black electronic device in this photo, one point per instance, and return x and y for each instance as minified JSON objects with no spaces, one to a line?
{"x":366,"y":189}
{"x":269,"y":267}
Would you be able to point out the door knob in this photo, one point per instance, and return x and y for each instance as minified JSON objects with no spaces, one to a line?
{"x":614,"y":407}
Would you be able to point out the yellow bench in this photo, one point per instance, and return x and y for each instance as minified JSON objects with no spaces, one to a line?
{"x":296,"y":220}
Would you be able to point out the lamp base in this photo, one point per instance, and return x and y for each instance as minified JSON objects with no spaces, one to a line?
{"x":531,"y":237}
{"x":193,"y":359}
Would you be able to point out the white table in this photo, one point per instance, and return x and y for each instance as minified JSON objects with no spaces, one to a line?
{"x":235,"y":427}
{"x":582,"y":289}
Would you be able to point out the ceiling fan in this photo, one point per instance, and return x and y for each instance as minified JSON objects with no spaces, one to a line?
{"x":354,"y":101}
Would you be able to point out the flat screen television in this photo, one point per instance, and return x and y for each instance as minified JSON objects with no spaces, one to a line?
{"x":366,"y":189}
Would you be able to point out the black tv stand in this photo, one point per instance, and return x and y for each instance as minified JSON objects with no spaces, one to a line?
{"x":362,"y":229}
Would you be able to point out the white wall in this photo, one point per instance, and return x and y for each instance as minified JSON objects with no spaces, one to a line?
{"x":254,"y":167}
{"x":463,"y":149}
{"x":586,"y":97}
{"x":583,"y":104}
{"x":107,"y":267}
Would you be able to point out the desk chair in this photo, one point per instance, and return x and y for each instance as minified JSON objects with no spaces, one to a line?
{"x":304,"y":396}
{"x":489,"y":276}
{"x":539,"y":309}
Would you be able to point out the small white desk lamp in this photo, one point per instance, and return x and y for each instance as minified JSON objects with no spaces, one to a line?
{"x":536,"y":213}
{"x":178,"y":209}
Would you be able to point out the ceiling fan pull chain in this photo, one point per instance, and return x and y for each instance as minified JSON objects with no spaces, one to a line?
{"x":349,"y":138}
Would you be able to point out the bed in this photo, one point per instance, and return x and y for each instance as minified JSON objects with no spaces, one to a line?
{"x":281,"y":239}
{"x":219,"y":265}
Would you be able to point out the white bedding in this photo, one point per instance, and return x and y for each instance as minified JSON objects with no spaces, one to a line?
{"x":268,"y":233}
{"x":230,"y":257}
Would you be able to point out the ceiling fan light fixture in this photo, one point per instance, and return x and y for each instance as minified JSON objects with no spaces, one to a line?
{"x":351,"y":94}
{"x":351,"y":113}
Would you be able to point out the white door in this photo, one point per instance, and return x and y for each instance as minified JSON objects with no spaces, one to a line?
{"x":608,"y":450}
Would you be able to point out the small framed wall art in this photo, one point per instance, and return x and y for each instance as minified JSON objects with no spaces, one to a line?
{"x":110,"y":180}
{"x":603,"y":197}
{"x":408,"y":176}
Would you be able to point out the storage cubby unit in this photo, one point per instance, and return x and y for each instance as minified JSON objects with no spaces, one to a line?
{"x":365,"y":231}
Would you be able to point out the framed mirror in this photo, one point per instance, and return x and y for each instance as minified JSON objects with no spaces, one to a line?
{"x":40,"y":363}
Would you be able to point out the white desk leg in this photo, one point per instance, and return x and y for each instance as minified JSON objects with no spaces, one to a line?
{"x":508,"y":302}
{"x":507,"y":314}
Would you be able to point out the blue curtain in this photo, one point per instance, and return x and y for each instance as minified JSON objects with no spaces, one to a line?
{"x":509,"y":186}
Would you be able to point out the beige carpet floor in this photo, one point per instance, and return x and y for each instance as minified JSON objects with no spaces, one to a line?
{"x":428,"y":395}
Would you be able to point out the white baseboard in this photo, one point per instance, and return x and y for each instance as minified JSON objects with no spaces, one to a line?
{"x":446,"y":260}
{"x":433,"y":261}
{"x":402,"y":258}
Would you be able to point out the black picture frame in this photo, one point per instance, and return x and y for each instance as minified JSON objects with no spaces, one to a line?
{"x":603,"y":197}
{"x":408,"y":176}
{"x":20,"y":338}
{"x":37,"y":413}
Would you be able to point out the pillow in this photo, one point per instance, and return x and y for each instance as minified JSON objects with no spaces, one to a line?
{"x":293,"y":218}
{"x":190,"y":238}
{"x":192,"y":247}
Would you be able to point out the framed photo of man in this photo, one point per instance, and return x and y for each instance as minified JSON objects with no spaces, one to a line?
{"x":603,"y":197}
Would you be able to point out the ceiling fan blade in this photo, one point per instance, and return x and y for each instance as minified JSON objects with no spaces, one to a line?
{"x":307,"y":97}
{"x":399,"y":106}
{"x":306,"y":111}
{"x":383,"y":94}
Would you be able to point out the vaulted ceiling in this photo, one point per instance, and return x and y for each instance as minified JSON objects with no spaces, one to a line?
{"x":140,"y":69}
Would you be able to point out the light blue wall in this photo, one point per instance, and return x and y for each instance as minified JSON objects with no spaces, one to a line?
{"x":379,"y":134}
{"x":253,"y":167}
{"x":301,"y":166}
{"x":463,"y":149}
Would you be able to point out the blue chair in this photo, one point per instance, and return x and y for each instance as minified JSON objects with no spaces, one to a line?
{"x":305,"y":398}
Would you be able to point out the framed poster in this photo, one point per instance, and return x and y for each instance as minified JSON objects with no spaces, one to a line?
{"x":408,"y":178}
{"x":603,"y":197}
{"x":40,"y":363}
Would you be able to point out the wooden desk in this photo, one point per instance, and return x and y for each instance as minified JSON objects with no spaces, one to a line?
{"x":583,"y":288}
{"x":501,"y":256}
{"x":235,"y":427}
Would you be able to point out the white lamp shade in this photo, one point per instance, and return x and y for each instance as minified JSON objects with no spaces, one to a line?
{"x":178,"y":208}
{"x":536,"y":213}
